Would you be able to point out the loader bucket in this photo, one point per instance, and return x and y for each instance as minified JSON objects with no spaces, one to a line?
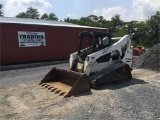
{"x":66,"y":82}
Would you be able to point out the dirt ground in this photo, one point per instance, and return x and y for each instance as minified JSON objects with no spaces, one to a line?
{"x":21,"y":98}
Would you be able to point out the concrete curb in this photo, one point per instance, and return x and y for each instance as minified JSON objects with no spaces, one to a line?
{"x":20,"y":66}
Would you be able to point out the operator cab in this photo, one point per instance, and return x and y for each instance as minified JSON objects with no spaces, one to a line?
{"x":92,"y":41}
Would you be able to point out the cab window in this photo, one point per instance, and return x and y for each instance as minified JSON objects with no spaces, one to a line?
{"x":106,"y":41}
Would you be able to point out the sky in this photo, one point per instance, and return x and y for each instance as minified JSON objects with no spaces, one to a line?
{"x":129,"y":10}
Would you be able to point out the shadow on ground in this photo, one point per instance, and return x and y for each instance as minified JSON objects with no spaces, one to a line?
{"x":84,"y":94}
{"x":134,"y":81}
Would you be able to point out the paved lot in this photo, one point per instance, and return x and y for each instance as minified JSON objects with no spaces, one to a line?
{"x":22,"y":99}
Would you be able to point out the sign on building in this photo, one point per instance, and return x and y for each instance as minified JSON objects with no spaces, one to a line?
{"x":30,"y":39}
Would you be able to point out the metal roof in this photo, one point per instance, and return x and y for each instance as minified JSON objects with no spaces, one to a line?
{"x":41,"y":22}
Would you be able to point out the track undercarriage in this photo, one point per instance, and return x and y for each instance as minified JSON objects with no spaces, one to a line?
{"x":117,"y":73}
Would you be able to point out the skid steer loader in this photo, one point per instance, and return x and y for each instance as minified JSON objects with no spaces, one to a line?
{"x":99,"y":60}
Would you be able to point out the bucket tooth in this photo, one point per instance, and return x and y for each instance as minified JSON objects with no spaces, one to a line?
{"x":46,"y":86}
{"x":65,"y":94}
{"x":40,"y":83}
{"x":62,"y":93}
{"x":57,"y":91}
{"x":50,"y":88}
{"x":53,"y":89}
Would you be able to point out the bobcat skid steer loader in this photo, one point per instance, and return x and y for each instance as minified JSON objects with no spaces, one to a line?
{"x":99,"y":60}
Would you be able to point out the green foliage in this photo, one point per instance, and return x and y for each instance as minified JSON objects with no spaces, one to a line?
{"x":52,"y":16}
{"x":134,"y":43}
{"x":149,"y":31}
{"x":44,"y":16}
{"x":116,"y":22}
{"x":101,"y":19}
{"x":120,"y":32}
{"x":34,"y":14}
{"x":144,"y":33}
{"x":1,"y":11}
{"x":30,"y":13}
{"x":21,"y":15}
{"x":93,"y":18}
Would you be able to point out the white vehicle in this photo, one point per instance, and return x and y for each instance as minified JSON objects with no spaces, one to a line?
{"x":99,"y":60}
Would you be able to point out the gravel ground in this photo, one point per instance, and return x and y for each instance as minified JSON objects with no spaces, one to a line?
{"x":149,"y":60}
{"x":22,"y":99}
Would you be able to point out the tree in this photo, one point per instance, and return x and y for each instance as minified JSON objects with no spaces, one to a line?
{"x":93,"y":18}
{"x":120,"y":32}
{"x":130,"y":26}
{"x":1,"y":10}
{"x":21,"y":15}
{"x":32,"y":13}
{"x":67,"y":19}
{"x":52,"y":16}
{"x":149,"y":31}
{"x":154,"y":28}
{"x":144,"y":33}
{"x":74,"y":21}
{"x":116,"y":21}
{"x":101,"y":19}
{"x":45,"y":16}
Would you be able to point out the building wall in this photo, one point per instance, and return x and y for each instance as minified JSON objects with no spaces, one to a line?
{"x":60,"y":42}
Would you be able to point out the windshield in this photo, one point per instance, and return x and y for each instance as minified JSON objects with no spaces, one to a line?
{"x":86,"y":42}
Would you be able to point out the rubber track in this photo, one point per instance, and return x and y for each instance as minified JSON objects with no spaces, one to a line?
{"x":106,"y":71}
